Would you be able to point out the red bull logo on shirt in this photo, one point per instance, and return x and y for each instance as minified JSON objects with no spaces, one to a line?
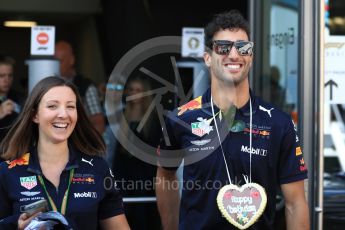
{"x":302,"y":166}
{"x":83,"y":178}
{"x":24,"y":160}
{"x":264,"y":133}
{"x":301,"y":161}
{"x":194,"y":104}
{"x":258,"y":132}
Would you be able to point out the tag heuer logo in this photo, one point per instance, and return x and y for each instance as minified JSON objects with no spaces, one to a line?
{"x":28,"y":182}
{"x":202,"y":127}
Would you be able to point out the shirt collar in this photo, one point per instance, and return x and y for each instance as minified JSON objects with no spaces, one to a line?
{"x":244,"y":111}
{"x":35,"y":167}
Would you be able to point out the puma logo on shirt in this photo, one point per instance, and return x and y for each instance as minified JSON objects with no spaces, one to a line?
{"x":89,"y":162}
{"x":266,"y":110}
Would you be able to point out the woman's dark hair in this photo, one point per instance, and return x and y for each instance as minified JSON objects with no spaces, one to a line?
{"x":24,"y":132}
{"x":231,"y":20}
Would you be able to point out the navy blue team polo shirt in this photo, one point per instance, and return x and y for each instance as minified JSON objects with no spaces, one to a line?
{"x":93,"y":195}
{"x":276,"y":157}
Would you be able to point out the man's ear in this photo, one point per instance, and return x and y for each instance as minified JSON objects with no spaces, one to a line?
{"x":252,"y":59}
{"x":207,"y":59}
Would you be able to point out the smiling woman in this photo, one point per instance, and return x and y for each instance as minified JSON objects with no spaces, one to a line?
{"x":54,"y":153}
{"x":25,"y":131}
{"x":57,"y":114}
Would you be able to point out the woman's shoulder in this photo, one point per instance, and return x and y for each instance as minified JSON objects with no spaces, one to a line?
{"x":14,"y":168}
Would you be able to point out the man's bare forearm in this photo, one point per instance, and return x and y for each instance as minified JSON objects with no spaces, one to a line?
{"x":168,"y":199}
{"x":296,"y":206}
{"x":297,"y":217}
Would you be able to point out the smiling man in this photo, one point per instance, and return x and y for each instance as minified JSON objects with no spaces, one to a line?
{"x":254,"y":147}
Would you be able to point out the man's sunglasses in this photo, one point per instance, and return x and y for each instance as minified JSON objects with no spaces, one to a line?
{"x":223,"y":47}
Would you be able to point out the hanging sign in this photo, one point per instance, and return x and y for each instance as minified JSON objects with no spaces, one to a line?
{"x":42,"y":40}
{"x":192,"y":42}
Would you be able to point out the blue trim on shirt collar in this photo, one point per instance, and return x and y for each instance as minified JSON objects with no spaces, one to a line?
{"x":35,"y":167}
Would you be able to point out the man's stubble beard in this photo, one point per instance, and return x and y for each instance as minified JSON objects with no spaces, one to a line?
{"x":226,"y":78}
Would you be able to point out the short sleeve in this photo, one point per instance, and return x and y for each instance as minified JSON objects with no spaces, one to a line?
{"x":112,"y":204}
{"x":291,"y":162}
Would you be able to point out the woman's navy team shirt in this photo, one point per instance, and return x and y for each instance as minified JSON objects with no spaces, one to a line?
{"x":276,"y":157}
{"x":93,"y":195}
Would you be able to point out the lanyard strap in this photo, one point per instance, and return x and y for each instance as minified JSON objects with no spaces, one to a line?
{"x":65,"y":197}
{"x":220,"y":142}
{"x":250,"y":142}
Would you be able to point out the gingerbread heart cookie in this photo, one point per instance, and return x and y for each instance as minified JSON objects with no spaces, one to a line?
{"x":242,"y":206}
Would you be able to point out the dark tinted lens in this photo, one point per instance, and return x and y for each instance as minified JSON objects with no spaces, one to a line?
{"x":222,"y":47}
{"x":244,"y":47}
